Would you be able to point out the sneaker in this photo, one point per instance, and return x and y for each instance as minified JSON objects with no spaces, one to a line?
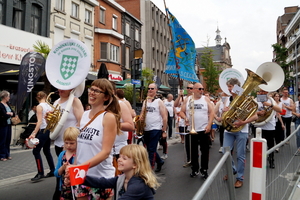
{"x":37,"y":177}
{"x":194,"y":174}
{"x":277,"y":150}
{"x":50,"y":174}
{"x":221,"y":150}
{"x":160,"y":147}
{"x":288,"y":142}
{"x":297,"y":153}
{"x":204,"y":173}
{"x":187,"y":164}
{"x":164,"y":156}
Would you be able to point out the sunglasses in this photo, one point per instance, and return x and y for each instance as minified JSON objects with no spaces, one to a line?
{"x":189,"y":88}
{"x":199,"y":88}
{"x":151,"y":88}
{"x":96,"y":91}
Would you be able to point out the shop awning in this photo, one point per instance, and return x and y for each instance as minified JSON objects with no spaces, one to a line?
{"x":9,"y":69}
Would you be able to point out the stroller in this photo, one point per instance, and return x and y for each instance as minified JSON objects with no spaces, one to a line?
{"x":27,"y":132}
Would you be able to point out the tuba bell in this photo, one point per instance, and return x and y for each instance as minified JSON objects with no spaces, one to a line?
{"x":243,"y":106}
{"x":273,"y":74}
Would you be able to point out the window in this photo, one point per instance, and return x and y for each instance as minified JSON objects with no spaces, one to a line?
{"x":102,"y":15}
{"x":127,"y":61}
{"x":137,"y":35}
{"x":103,"y":52}
{"x":114,"y":22}
{"x":127,"y":29}
{"x":18,"y":15}
{"x":75,"y":10}
{"x":114,"y":53}
{"x":88,"y":16}
{"x":60,"y":5}
{"x":1,"y":11}
{"x":36,"y":15}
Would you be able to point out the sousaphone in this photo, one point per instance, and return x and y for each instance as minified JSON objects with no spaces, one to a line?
{"x":273,"y":74}
{"x":67,"y":66}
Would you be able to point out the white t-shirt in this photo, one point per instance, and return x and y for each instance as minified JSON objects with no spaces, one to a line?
{"x":71,"y":121}
{"x":287,"y":102}
{"x":153,"y":116}
{"x":200,"y":114}
{"x":170,"y":107}
{"x":89,"y":143}
{"x":46,"y":108}
{"x":121,"y":140}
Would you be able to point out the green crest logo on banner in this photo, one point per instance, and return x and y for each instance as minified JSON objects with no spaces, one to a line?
{"x":68,"y":66}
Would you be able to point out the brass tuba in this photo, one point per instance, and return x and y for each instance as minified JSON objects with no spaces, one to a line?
{"x":192,"y":113}
{"x":243,"y":106}
{"x":139,"y":123}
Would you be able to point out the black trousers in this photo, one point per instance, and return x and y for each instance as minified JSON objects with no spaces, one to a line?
{"x":269,"y":135}
{"x":287,"y":122}
{"x":201,"y":139}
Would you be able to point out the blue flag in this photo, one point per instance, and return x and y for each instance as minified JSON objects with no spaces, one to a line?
{"x":182,"y":51}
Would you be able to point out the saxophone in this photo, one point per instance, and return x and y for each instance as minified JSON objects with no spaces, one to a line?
{"x":243,"y":106}
{"x":139,"y":123}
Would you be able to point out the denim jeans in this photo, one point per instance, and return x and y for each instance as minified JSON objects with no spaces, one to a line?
{"x":297,"y":123}
{"x":151,"y":139}
{"x":241,"y":139}
{"x":44,"y":142}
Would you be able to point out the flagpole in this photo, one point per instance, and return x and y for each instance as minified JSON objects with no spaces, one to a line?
{"x":176,"y":62}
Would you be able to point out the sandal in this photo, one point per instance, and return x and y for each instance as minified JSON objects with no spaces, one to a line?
{"x":9,"y":158}
{"x":3,"y":159}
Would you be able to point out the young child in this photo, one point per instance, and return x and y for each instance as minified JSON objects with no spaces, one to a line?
{"x":66,"y":158}
{"x":137,"y":181}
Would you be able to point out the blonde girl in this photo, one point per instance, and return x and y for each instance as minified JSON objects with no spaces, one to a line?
{"x":137,"y":181}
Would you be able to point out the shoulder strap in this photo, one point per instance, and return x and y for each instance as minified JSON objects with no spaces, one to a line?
{"x":97,"y":114}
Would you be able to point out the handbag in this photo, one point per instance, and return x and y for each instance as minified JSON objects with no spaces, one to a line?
{"x":15,"y":120}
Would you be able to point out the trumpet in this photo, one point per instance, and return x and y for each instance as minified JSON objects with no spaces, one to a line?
{"x":192,"y":113}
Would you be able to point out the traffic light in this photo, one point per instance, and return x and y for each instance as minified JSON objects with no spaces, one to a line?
{"x":137,"y":68}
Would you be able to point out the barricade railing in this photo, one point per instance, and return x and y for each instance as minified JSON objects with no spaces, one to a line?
{"x":227,"y":161}
{"x":277,"y":183}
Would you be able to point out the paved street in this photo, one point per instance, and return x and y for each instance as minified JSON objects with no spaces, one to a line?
{"x":176,"y":183}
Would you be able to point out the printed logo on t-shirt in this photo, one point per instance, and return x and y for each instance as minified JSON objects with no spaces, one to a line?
{"x":150,"y":109}
{"x":198,"y":106}
{"x":88,"y":133}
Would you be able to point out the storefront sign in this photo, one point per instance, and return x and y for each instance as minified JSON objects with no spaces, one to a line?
{"x":115,"y":77}
{"x":13,"y":46}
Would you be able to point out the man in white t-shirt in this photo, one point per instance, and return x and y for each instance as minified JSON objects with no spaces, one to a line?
{"x":169,"y":103}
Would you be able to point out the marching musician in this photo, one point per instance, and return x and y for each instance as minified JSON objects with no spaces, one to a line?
{"x":203,"y":114}
{"x":240,"y":137}
{"x":178,"y":102}
{"x":218,"y":112}
{"x":268,"y":129}
{"x":73,"y":120}
{"x":156,"y":125}
{"x":289,"y":107}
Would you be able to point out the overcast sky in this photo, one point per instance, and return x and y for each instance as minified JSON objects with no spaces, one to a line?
{"x":248,"y":25}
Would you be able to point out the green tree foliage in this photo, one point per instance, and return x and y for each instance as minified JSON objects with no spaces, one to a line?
{"x":147,"y":77}
{"x":211,"y":72}
{"x":281,"y":56}
{"x":42,"y":48}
